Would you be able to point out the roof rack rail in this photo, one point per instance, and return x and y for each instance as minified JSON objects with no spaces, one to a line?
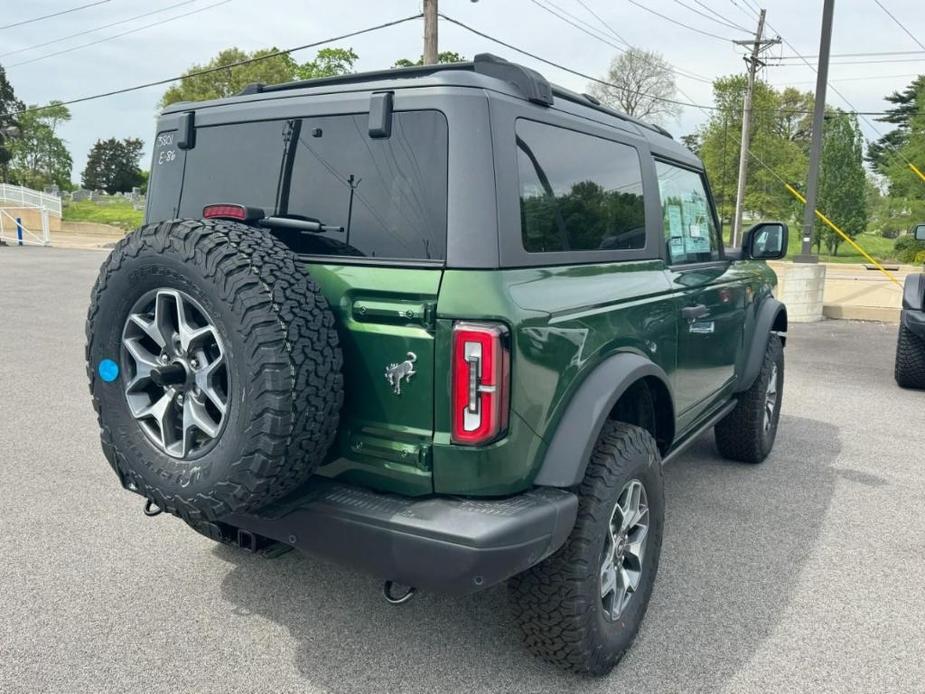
{"x":531,"y":84}
{"x":593,"y":102}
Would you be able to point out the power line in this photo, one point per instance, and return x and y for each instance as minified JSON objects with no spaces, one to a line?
{"x":99,"y":28}
{"x":717,"y":14}
{"x":586,"y":76}
{"x":853,"y":55}
{"x":565,"y":19}
{"x":900,"y":24}
{"x":609,"y":28}
{"x":120,"y":35}
{"x":751,"y":14}
{"x":207,"y":71}
{"x":53,"y":14}
{"x":720,"y":21}
{"x":675,"y":21}
{"x":562,"y":67}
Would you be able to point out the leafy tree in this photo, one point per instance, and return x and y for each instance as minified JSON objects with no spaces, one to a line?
{"x":328,"y":62}
{"x":8,"y":103}
{"x":908,"y":103}
{"x":38,"y":157}
{"x":780,"y":136}
{"x":113,"y":165}
{"x":907,"y":190}
{"x":643,"y":81}
{"x":271,"y":70}
{"x":443,"y":57}
{"x":842,"y":180}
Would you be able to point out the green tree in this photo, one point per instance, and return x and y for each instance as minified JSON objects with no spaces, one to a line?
{"x":113,"y":165}
{"x":328,"y":62}
{"x":8,"y":104}
{"x":842,"y":180}
{"x":907,"y":104}
{"x":442,"y":57}
{"x":907,"y":190}
{"x":38,"y":157}
{"x":269,"y":70}
{"x":641,"y":84}
{"x":780,"y":139}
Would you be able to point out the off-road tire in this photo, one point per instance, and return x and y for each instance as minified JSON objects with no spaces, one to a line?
{"x":286,"y":387}
{"x":741,"y":435}
{"x":909,"y":369}
{"x":557,"y":603}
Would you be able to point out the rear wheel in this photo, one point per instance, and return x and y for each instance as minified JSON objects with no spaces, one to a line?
{"x":747,"y":433}
{"x":581,"y":608}
{"x":909,"y":370}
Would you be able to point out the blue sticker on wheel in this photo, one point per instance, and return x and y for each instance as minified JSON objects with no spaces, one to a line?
{"x":108,"y":370}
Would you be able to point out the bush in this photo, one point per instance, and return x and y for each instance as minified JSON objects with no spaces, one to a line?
{"x":907,"y":248}
{"x":919,"y":258}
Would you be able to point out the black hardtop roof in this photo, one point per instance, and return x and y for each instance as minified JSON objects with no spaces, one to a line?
{"x":485,"y":71}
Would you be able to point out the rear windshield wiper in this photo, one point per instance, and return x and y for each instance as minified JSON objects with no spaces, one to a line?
{"x":314,"y":226}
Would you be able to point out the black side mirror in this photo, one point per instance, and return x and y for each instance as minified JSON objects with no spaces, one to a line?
{"x":766,"y":241}
{"x":919,"y":232}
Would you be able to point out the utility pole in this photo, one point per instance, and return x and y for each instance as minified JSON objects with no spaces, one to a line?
{"x":815,"y":151}
{"x":430,"y":32}
{"x":754,"y":62}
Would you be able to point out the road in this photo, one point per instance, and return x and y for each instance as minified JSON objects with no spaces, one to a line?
{"x":802,"y":574}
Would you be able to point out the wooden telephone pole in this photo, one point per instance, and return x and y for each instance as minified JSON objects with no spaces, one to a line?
{"x":430,"y":32}
{"x":754,"y":62}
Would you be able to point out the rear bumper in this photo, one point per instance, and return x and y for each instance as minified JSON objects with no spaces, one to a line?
{"x":450,"y":545}
{"x":914,"y":321}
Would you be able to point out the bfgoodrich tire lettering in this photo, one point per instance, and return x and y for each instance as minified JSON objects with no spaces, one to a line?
{"x":563,"y":615}
{"x":282,"y":353}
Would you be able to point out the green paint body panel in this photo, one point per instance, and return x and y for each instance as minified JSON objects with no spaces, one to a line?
{"x":564,"y":321}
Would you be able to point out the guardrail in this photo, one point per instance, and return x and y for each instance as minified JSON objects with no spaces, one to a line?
{"x":26,"y":197}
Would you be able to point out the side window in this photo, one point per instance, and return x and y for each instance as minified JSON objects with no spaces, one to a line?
{"x":388,"y":194}
{"x":687,"y":218}
{"x":578,"y":192}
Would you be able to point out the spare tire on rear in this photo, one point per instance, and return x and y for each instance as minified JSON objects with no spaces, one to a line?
{"x":214,"y":367}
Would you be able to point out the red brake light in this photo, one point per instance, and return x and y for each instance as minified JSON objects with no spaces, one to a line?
{"x":481,"y":372}
{"x":230,"y":210}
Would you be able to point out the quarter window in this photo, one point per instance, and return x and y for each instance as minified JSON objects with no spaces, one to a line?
{"x":578,"y":192}
{"x":687,"y":216}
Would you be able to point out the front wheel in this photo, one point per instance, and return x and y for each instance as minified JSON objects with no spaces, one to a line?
{"x":909,"y":369}
{"x":747,"y":433}
{"x":580,"y":609}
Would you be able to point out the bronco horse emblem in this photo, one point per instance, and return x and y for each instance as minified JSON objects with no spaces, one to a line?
{"x":404,"y":370}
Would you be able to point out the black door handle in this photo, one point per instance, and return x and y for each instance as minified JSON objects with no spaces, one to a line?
{"x":692,"y":313}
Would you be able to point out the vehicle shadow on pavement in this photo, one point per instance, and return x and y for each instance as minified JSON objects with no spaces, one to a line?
{"x":736,"y":539}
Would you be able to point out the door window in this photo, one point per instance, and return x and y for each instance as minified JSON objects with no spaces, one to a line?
{"x":690,"y":231}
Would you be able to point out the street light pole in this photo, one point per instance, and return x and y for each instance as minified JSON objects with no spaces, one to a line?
{"x":815,"y":152}
{"x":430,"y":32}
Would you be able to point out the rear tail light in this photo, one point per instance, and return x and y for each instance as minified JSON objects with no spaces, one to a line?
{"x":481,"y":376}
{"x":225,"y":210}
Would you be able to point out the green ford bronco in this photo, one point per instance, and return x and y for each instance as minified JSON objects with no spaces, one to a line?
{"x":441,"y":324}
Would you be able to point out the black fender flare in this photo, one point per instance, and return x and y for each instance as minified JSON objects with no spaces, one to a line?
{"x":772,"y":317}
{"x":570,"y":448}
{"x":914,"y":292}
{"x":913,"y":312}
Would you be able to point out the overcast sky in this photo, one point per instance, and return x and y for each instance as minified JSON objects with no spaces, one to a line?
{"x":169,"y":47}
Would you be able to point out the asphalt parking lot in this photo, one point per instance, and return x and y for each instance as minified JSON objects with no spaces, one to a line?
{"x":802,"y":574}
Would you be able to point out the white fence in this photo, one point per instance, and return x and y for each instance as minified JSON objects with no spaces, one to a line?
{"x":26,"y":197}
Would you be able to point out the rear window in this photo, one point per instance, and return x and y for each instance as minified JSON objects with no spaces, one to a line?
{"x":389,"y":194}
{"x":578,"y":192}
